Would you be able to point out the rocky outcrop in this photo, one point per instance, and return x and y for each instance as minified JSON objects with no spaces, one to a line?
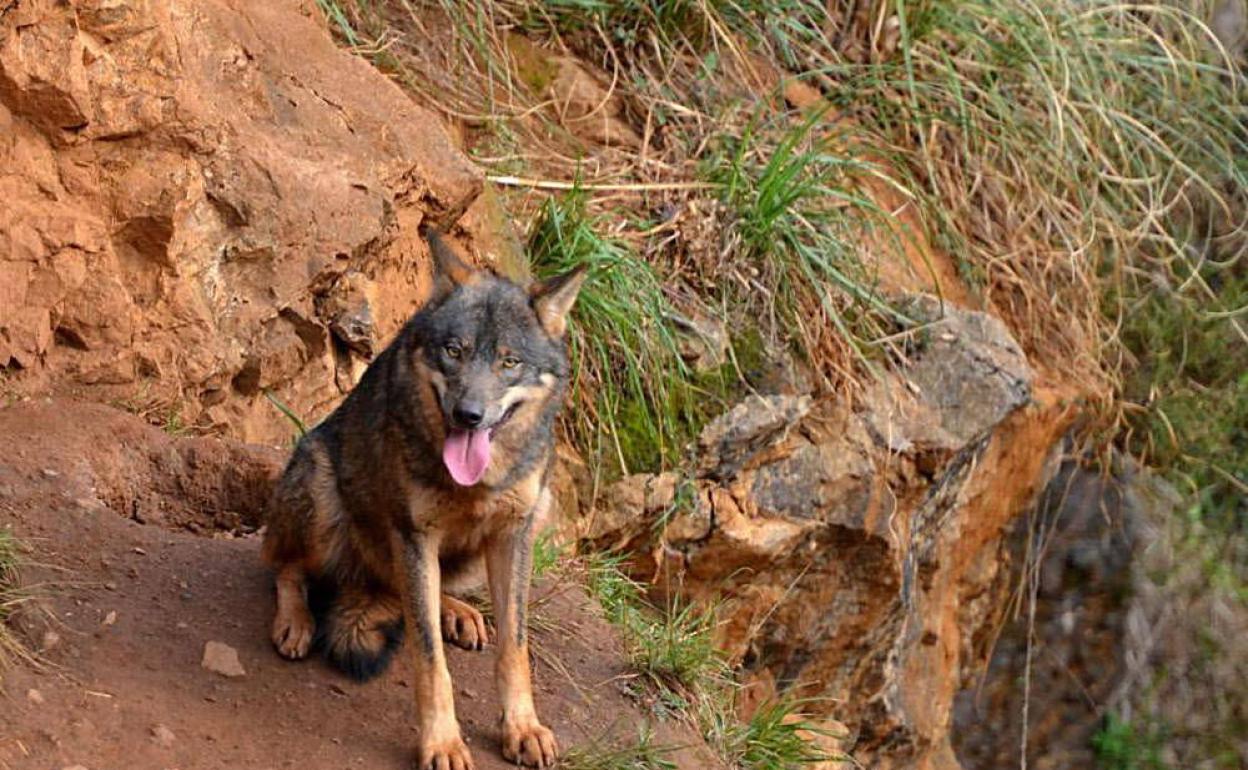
{"x":204,"y":202}
{"x":854,"y":554}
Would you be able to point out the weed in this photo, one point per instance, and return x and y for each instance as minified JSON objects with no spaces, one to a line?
{"x":776,"y":736}
{"x":546,"y":554}
{"x":603,"y":755}
{"x":301,"y":428}
{"x":1120,"y":745}
{"x":625,"y":346}
{"x":607,"y":582}
{"x":335,"y":14}
{"x":673,"y":646}
{"x":799,"y":222}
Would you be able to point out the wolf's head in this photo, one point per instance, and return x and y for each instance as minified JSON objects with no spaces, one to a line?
{"x":493,"y":352}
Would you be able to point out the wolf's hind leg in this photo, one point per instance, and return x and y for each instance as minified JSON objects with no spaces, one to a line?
{"x":462,"y":625}
{"x":293,"y":626}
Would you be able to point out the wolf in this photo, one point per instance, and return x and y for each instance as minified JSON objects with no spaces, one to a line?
{"x":431,"y":475}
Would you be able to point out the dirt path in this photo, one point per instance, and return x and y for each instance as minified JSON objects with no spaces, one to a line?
{"x":131,"y":692}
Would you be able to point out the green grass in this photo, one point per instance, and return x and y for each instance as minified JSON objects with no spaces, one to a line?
{"x":639,"y":403}
{"x":1120,"y":745}
{"x":672,"y":645}
{"x":335,"y":13}
{"x":547,"y":554}
{"x":604,"y":754}
{"x":772,"y":739}
{"x":799,"y":223}
{"x":673,"y":648}
{"x":301,"y":428}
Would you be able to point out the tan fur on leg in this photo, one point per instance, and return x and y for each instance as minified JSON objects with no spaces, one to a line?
{"x":293,"y":626}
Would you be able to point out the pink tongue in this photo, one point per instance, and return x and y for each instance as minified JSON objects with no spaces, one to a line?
{"x":466,"y":454}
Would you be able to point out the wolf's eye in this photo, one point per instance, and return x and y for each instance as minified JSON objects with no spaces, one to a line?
{"x":453,"y":350}
{"x":511,"y":362}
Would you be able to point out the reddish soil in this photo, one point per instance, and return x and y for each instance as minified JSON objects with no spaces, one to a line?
{"x":136,"y":602}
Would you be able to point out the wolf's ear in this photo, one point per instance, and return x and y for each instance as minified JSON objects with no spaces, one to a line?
{"x":553,"y":298}
{"x":449,"y":270}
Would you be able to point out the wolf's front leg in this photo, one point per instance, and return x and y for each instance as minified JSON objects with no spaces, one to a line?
{"x":439,"y":745}
{"x":509,"y":560}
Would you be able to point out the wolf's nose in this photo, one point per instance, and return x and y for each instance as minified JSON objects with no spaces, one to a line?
{"x":468,"y":415}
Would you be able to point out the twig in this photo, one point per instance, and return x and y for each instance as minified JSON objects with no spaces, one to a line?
{"x":553,"y":184}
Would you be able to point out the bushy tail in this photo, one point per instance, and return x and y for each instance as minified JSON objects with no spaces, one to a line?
{"x":357,"y":628}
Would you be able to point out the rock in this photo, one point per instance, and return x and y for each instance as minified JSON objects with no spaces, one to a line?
{"x":730,"y":441}
{"x":703,"y":341}
{"x":34,"y":696}
{"x":222,"y":659}
{"x":966,"y":374}
{"x":830,"y":482}
{"x":49,"y":641}
{"x":631,"y":505}
{"x":110,"y":618}
{"x":162,"y":736}
{"x":581,"y":98}
{"x":193,"y":215}
{"x":854,"y":550}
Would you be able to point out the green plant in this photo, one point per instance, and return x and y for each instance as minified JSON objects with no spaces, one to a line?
{"x":301,"y":428}
{"x":777,"y":736}
{"x":546,"y":554}
{"x":1120,"y":745}
{"x":599,"y":754}
{"x":637,"y":405}
{"x":796,"y":216}
{"x":335,"y":13}
{"x":673,"y":646}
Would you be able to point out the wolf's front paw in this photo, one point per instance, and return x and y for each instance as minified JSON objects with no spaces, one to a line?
{"x":527,"y":742}
{"x":462,"y":625}
{"x":292,"y":633}
{"x":449,"y":754}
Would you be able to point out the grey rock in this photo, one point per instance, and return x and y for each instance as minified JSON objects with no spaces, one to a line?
{"x":966,"y":375}
{"x":731,"y":440}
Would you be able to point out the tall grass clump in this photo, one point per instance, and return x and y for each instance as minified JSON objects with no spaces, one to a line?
{"x":601,"y":754}
{"x":775,"y":737}
{"x":798,"y":222}
{"x":672,"y":645}
{"x":639,"y":403}
{"x":1066,"y":153}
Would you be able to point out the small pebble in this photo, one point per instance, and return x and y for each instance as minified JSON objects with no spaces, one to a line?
{"x":163,"y":736}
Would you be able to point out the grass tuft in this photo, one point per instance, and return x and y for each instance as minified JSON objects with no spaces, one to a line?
{"x":12,"y":597}
{"x":673,"y":646}
{"x":777,"y":736}
{"x":641,"y":403}
{"x":644,"y":754}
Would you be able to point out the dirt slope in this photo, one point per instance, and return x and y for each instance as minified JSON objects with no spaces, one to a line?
{"x":146,"y":599}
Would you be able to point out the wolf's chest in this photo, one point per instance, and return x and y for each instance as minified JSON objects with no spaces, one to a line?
{"x":456,"y":511}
